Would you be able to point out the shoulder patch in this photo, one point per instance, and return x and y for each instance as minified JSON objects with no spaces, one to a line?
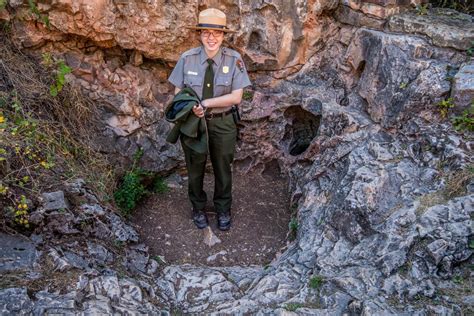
{"x":240,"y":65}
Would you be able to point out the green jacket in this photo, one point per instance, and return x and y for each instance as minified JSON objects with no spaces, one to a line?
{"x":191,"y":128}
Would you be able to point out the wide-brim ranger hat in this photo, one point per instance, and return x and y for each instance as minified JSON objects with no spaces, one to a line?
{"x":212,"y":19}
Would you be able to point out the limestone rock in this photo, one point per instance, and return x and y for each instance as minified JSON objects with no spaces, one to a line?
{"x":346,"y":15}
{"x":54,"y":201}
{"x":15,"y":301}
{"x":397,"y":83}
{"x":16,"y":253}
{"x":463,"y":87}
{"x":122,"y":231}
{"x":99,"y":253}
{"x":445,"y":27}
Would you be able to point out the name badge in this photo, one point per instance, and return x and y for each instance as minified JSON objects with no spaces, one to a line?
{"x":225,"y":69}
{"x":192,"y":73}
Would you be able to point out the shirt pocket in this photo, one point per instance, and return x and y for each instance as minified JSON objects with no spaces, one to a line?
{"x":223,"y":85}
{"x":193,"y":81}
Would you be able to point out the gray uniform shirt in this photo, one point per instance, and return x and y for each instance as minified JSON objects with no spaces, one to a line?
{"x":229,"y":72}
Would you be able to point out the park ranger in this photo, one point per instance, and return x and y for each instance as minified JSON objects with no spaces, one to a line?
{"x":217,"y":75}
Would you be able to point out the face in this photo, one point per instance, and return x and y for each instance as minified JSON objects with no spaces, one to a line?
{"x":212,"y":40}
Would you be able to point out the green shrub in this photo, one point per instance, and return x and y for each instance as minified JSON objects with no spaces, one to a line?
{"x":316,"y":281}
{"x":136,"y":184}
{"x":130,"y":191}
{"x":293,"y":227}
{"x":60,"y":79}
{"x":464,"y":121}
{"x":444,"y":107}
{"x":422,"y":9}
{"x":458,"y":279}
{"x":159,"y":185}
{"x":292,"y":307}
{"x":470,"y":50}
{"x":464,"y":6}
{"x":248,"y":95}
{"x":40,"y":17}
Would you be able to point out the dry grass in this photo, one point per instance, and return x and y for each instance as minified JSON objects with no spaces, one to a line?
{"x":60,"y":130}
{"x":456,"y":183}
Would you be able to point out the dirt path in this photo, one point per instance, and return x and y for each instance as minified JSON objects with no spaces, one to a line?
{"x":260,"y":215}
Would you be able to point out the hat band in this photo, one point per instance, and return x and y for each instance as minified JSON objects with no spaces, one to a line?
{"x":215,"y":26}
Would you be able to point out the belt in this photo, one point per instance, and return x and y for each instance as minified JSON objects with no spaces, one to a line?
{"x":211,"y":115}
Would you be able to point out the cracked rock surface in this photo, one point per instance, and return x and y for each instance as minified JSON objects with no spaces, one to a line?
{"x":345,"y":105}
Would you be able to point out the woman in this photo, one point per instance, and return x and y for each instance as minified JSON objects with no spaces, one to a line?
{"x":218,"y":76}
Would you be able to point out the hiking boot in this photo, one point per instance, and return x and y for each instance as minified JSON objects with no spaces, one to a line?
{"x":223,"y":220}
{"x":200,"y":219}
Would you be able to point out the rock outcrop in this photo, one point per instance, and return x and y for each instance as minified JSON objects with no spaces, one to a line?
{"x":344,"y":100}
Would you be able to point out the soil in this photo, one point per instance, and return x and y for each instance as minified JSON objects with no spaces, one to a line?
{"x":260,"y":217}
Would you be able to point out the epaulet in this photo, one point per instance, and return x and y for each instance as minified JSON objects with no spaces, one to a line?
{"x":238,"y":59}
{"x":230,"y":52}
{"x":192,"y":51}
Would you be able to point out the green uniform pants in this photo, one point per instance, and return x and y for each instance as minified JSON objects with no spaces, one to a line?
{"x":222,"y":133}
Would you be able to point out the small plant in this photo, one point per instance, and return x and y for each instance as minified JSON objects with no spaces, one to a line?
{"x":458,"y":279}
{"x":316,"y":281}
{"x":47,"y":59}
{"x":471,"y":244}
{"x":248,"y":95}
{"x":422,"y":9}
{"x":23,"y":181}
{"x":470,"y":50}
{"x":292,"y":307}
{"x":160,"y":186}
{"x":21,"y":212}
{"x":403,"y":85}
{"x":40,"y":17}
{"x":3,"y":189}
{"x":159,"y":259}
{"x":465,"y":6}
{"x":61,"y":73}
{"x":444,"y":107}
{"x":3,"y":4}
{"x":293,"y":227}
{"x":465,"y":121}
{"x":131,"y":190}
{"x":119,"y":243}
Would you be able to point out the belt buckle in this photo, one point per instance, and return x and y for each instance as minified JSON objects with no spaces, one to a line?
{"x":209,"y":116}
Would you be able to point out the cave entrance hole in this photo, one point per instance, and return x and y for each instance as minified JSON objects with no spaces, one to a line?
{"x":303,"y":127}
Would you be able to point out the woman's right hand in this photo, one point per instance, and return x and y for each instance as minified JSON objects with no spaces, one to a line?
{"x":198,"y":110}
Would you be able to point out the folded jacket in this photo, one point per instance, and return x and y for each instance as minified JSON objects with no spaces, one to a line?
{"x":188,"y":126}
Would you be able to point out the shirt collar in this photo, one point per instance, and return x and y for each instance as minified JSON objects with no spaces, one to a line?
{"x":216,"y":58}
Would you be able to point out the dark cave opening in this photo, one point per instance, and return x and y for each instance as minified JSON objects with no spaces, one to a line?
{"x":303,"y":128}
{"x":255,"y":41}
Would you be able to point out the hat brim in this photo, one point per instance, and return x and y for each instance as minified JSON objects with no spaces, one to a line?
{"x":210,"y":28}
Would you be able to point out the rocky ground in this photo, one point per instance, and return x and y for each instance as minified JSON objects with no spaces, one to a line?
{"x":380,"y":180}
{"x":260,"y":215}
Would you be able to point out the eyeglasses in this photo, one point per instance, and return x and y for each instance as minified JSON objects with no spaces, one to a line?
{"x":215,"y":34}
